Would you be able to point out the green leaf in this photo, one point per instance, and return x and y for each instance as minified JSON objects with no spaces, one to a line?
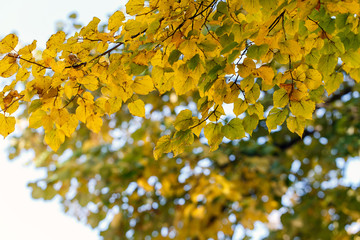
{"x":153,"y":27}
{"x":229,"y":47}
{"x":257,"y":109}
{"x":137,"y":69}
{"x":256,"y":52}
{"x":147,"y":46}
{"x":276,"y":117}
{"x":36,"y":104}
{"x":240,"y":106}
{"x":328,"y":24}
{"x":174,"y":56}
{"x":317,"y":94}
{"x":234,"y":129}
{"x":181,"y":140}
{"x":214,"y":135}
{"x":250,"y":123}
{"x":184,"y":120}
{"x":193,"y":62}
{"x":163,"y":145}
{"x":207,"y":45}
{"x":351,"y":59}
{"x":327,"y":64}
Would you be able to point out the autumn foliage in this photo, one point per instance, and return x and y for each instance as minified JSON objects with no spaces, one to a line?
{"x":134,"y":114}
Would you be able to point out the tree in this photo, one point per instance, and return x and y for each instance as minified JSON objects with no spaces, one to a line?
{"x":187,"y":119}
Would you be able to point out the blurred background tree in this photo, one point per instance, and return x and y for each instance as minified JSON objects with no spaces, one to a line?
{"x":112,"y":176}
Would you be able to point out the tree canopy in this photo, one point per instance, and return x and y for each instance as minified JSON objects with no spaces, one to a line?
{"x":188,"y":119}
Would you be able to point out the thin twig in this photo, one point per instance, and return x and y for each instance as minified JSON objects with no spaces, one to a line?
{"x":201,"y":122}
{"x":276,"y":21}
{"x":16,"y":100}
{"x":197,"y":14}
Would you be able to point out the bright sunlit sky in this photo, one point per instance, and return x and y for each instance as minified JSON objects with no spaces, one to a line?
{"x":20,"y":216}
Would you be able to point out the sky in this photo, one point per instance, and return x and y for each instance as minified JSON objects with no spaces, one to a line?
{"x":20,"y":216}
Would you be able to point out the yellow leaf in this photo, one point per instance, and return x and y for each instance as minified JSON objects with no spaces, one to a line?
{"x":333,"y":82}
{"x":8,"y":43}
{"x":253,"y":94}
{"x":137,"y":108}
{"x":234,"y":4}
{"x":303,"y":108}
{"x":59,"y":116}
{"x":40,"y":118}
{"x":343,"y":6}
{"x":115,"y":21}
{"x":246,"y":68}
{"x":163,"y":81}
{"x":70,"y":126}
{"x":26,"y":51}
{"x":313,"y":79}
{"x":311,"y":25}
{"x":133,"y":27}
{"x":57,"y":66}
{"x":281,"y":98}
{"x":56,"y":40}
{"x":290,"y":47}
{"x":217,"y":113}
{"x":198,"y":126}
{"x":296,"y":125}
{"x":184,"y":81}
{"x":70,"y":89}
{"x":355,"y":74}
{"x":189,"y":49}
{"x":240,"y":106}
{"x":94,"y":122}
{"x":90,"y":82}
{"x":8,"y":66}
{"x":134,"y":6}
{"x":143,"y":85}
{"x":91,"y":28}
{"x":251,"y":6}
{"x":54,"y":138}
{"x":7,"y":125}
{"x":22,"y":74}
{"x":247,"y":83}
{"x":113,"y":105}
{"x":351,"y":59}
{"x":81,"y":113}
{"x":266,"y":73}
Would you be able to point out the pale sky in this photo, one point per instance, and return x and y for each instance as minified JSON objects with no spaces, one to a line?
{"x":35,"y":19}
{"x":20,"y":216}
